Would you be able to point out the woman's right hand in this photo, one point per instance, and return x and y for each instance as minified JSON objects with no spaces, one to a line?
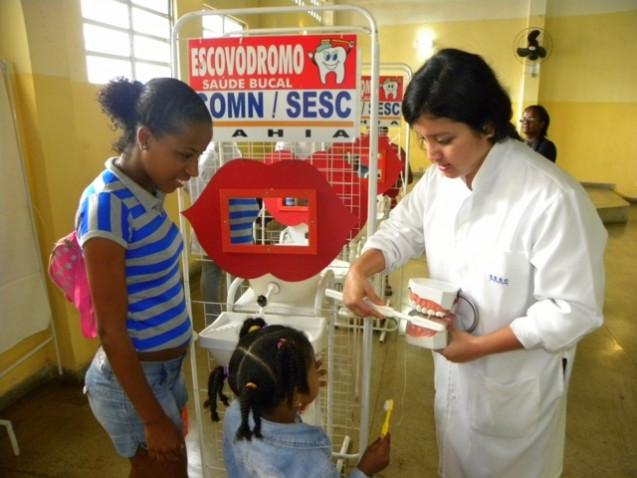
{"x":164,"y":440}
{"x":376,"y":457}
{"x":356,"y":289}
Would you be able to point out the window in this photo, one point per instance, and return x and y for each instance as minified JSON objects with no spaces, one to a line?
{"x":218,"y":25}
{"x":128,"y":38}
{"x":311,"y":3}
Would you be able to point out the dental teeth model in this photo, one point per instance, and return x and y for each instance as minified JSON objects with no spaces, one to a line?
{"x":428,"y":334}
{"x":430,"y":299}
{"x":426,"y":307}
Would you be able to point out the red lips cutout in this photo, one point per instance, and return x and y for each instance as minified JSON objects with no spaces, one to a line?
{"x":333,"y":220}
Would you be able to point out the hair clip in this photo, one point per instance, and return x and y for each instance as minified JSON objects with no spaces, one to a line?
{"x":251,"y":385}
{"x":254,"y":328}
{"x":280,"y":343}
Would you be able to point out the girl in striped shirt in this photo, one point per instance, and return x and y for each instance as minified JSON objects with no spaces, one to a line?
{"x":134,"y":384}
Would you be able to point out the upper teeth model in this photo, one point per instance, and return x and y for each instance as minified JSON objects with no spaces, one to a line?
{"x":426,"y":307}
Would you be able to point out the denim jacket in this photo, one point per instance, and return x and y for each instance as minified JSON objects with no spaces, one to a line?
{"x":287,"y":450}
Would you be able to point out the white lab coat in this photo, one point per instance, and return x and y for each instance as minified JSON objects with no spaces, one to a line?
{"x":526,"y":245}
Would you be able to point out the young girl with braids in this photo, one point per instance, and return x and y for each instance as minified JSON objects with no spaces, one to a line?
{"x":274,"y":374}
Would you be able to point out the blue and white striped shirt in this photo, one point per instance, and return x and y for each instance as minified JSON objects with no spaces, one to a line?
{"x":114,"y":207}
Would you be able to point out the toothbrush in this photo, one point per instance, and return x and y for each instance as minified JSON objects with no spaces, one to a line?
{"x":389,"y":312}
{"x":389,"y":407}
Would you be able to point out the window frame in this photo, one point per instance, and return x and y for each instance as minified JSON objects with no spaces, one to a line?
{"x":243,"y":24}
{"x":132,"y":59}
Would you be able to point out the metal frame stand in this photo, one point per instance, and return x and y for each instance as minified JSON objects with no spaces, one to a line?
{"x":372,"y":32}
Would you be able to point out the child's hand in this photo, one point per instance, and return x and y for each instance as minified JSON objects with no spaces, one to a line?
{"x":376,"y":457}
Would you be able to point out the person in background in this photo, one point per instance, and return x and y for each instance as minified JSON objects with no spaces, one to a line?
{"x":274,"y":375}
{"x":523,"y":241}
{"x":243,"y":213}
{"x":135,"y":385}
{"x":535,"y":125}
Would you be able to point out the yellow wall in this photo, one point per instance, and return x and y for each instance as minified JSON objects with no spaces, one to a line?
{"x":491,"y":39}
{"x":65,"y":139}
{"x":284,"y":19}
{"x":589,"y":86}
{"x":14,"y":48}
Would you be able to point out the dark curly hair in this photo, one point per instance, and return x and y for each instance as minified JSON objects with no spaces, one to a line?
{"x":163,"y":105}
{"x":462,"y":87}
{"x":269,"y":364}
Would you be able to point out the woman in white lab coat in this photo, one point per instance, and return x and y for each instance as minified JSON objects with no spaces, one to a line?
{"x":522,"y":240}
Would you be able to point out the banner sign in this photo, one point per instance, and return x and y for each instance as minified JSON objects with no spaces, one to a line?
{"x":278,"y":88}
{"x":390,"y":97}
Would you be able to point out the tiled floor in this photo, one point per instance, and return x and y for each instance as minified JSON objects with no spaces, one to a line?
{"x":58,"y":436}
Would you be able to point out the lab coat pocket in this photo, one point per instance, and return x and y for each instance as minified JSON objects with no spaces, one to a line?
{"x":501,"y":287}
{"x":505,"y":410}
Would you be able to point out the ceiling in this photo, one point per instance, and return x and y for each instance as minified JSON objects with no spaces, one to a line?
{"x":396,"y":12}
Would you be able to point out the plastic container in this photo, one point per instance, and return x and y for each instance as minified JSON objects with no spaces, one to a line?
{"x":221,"y":337}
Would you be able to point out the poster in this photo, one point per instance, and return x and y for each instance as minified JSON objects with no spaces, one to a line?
{"x":278,"y":88}
{"x":390,"y":97}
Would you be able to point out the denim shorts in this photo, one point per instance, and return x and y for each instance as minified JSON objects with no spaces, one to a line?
{"x":115,"y":412}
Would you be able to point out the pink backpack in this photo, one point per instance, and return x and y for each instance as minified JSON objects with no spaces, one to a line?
{"x":68,"y":272}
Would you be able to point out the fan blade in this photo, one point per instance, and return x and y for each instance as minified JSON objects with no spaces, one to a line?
{"x":541,"y":52}
{"x":533,"y":56}
{"x":532,"y":37}
{"x":523,"y":52}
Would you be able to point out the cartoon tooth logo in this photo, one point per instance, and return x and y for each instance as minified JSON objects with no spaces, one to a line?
{"x":330,"y":57}
{"x":390,"y":88}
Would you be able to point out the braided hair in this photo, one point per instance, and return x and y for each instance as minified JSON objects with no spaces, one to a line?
{"x":268,"y":366}
{"x":215,"y":390}
{"x":219,"y":374}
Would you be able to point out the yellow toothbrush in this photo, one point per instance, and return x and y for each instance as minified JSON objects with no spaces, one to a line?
{"x":389,"y":407}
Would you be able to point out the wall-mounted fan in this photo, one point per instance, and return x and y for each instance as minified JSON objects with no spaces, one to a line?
{"x":532,"y":45}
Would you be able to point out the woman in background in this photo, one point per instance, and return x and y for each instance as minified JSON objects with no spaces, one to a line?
{"x":535,"y":125}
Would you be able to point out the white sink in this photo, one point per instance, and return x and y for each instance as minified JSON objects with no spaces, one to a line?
{"x":221,"y":337}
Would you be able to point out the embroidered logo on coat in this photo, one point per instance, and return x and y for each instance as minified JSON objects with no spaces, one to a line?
{"x":499,"y":280}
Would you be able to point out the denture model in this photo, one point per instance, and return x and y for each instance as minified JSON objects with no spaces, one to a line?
{"x":431,"y":299}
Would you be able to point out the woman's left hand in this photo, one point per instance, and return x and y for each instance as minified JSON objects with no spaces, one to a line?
{"x":463,"y":347}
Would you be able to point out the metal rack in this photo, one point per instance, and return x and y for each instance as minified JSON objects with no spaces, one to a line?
{"x":345,"y":403}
